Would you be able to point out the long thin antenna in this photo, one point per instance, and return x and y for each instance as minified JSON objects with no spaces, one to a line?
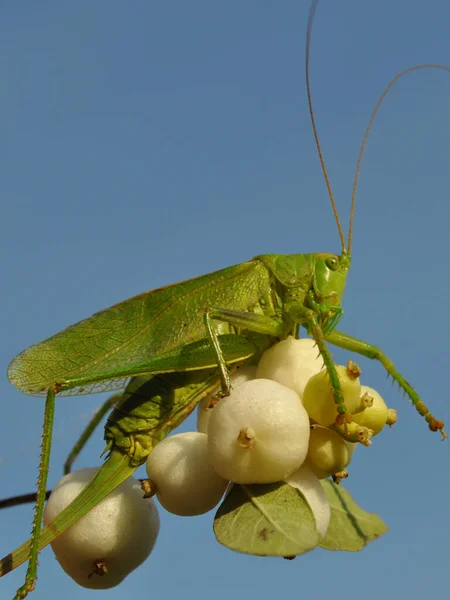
{"x":366,"y":135}
{"x":312,"y":12}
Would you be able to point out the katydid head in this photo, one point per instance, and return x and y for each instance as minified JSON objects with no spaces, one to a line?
{"x":329,"y":278}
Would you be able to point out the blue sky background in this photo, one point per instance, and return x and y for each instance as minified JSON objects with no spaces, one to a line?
{"x":143,"y":143}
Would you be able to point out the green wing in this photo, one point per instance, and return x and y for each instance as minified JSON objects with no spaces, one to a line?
{"x":135,"y":330}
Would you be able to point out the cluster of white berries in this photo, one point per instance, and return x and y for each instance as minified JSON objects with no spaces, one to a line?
{"x":278,"y":424}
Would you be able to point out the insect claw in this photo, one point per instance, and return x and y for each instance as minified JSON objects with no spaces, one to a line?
{"x":436,"y":425}
{"x":340,"y":419}
{"x":217,"y":398}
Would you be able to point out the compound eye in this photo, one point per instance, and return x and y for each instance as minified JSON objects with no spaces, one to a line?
{"x":332,"y":263}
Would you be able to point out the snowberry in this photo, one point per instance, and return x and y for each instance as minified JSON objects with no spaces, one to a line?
{"x":258,"y":434}
{"x":204,"y":412}
{"x":327,"y":453}
{"x":375,"y":416}
{"x":291,"y":362}
{"x":112,"y":539}
{"x":351,"y":447}
{"x":318,"y":398}
{"x":186,"y":482}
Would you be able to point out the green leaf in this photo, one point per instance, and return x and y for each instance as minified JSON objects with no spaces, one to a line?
{"x":266,"y":520}
{"x":351,"y":528}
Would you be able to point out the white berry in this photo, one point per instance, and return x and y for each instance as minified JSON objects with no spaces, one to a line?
{"x":258,"y":434}
{"x":114,"y":537}
{"x":376,"y":415}
{"x":204,"y":412}
{"x":327,"y":452}
{"x":291,"y":362}
{"x":186,"y":482}
{"x":318,"y":397}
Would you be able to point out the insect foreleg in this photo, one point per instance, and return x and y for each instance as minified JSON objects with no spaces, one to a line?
{"x":331,"y":315}
{"x":310,"y":321}
{"x":354,"y":345}
{"x":255,"y":322}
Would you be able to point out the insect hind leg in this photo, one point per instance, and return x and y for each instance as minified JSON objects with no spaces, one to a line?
{"x":31,"y":574}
